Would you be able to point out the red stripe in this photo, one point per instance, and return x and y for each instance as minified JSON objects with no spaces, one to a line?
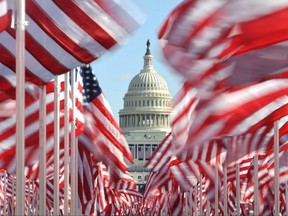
{"x":86,"y":23}
{"x":46,"y":24}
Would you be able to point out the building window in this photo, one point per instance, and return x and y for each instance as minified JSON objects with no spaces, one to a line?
{"x":147,"y":151}
{"x":140,"y":151}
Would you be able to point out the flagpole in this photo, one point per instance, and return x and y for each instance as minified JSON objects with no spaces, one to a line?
{"x":20,"y":101}
{"x":195,"y":199}
{"x":237,"y":189}
{"x":66,"y":145}
{"x":201,"y":194}
{"x":286,"y":195}
{"x":225,"y":189}
{"x":56,"y":145}
{"x":42,"y":159}
{"x":73,"y":150}
{"x":5,"y":193}
{"x":216,"y":188}
{"x":256,"y":185}
{"x":276,"y":166}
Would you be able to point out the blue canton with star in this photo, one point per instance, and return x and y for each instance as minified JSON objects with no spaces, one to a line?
{"x":91,"y":88}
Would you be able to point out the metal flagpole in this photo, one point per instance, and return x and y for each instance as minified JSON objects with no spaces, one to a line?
{"x":237,"y":189}
{"x":56,"y":145}
{"x":73,"y":150}
{"x":201,"y":194}
{"x":5,"y":193}
{"x":20,"y":101}
{"x":286,"y":195}
{"x":276,"y":166}
{"x":66,"y":145}
{"x":216,"y":188}
{"x":42,"y":159}
{"x":225,"y":189}
{"x":195,"y":199}
{"x":256,"y":194}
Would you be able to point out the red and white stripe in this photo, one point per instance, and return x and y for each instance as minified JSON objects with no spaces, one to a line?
{"x":7,"y":134}
{"x":197,"y":36}
{"x":234,"y":112}
{"x":184,"y":105}
{"x":162,"y":155}
{"x":185,"y":173}
{"x":62,"y":36}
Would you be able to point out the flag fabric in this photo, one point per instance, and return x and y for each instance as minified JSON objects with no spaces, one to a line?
{"x":5,"y":15}
{"x":162,"y":155}
{"x":62,"y":36}
{"x":198,"y":37}
{"x":102,"y":135}
{"x":32,"y":106}
{"x":244,"y":108}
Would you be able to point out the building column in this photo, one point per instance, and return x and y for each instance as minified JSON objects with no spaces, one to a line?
{"x":141,"y":120}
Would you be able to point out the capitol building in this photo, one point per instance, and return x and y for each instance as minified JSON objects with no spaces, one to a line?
{"x":144,"y":118}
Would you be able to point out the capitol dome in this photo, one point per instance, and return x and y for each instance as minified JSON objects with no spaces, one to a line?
{"x":147,"y":103}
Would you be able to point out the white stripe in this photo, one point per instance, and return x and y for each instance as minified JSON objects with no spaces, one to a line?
{"x":3,"y":8}
{"x":253,"y":9}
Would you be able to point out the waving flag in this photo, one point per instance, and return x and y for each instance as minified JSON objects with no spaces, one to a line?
{"x":5,"y":15}
{"x":199,"y":36}
{"x":102,"y":135}
{"x":64,"y":35}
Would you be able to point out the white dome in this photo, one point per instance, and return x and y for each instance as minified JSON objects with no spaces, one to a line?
{"x":148,"y":102}
{"x":146,"y":81}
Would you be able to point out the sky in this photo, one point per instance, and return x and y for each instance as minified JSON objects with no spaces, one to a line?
{"x":115,"y":70}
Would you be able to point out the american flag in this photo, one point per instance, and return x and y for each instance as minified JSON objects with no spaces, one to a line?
{"x":32,"y":106}
{"x":198,"y":36}
{"x":61,"y":35}
{"x":102,"y":135}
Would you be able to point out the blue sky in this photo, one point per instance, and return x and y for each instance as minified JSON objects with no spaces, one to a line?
{"x":115,"y":69}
